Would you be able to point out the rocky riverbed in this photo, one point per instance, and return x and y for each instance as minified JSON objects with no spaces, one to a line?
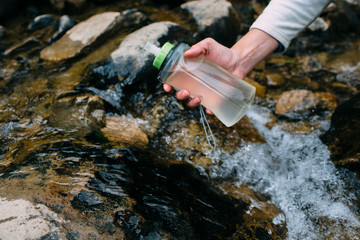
{"x":93,"y":148}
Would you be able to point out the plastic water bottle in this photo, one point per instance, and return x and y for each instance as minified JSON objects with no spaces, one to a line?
{"x":227,"y":96}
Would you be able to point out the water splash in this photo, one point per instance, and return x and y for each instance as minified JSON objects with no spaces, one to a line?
{"x":297,"y":173}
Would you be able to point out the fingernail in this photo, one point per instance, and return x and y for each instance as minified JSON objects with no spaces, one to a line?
{"x":184,"y":94}
{"x":195,"y":101}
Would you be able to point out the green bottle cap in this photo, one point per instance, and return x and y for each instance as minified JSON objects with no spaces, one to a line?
{"x":160,"y":57}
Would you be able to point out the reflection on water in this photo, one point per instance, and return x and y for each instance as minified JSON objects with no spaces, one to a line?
{"x":317,"y":199}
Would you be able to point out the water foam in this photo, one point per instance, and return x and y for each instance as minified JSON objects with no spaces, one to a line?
{"x":297,"y":173}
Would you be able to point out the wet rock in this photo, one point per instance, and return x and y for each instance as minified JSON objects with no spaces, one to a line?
{"x":274,"y":79}
{"x":82,"y":36}
{"x":215,"y":18}
{"x":24,"y":46}
{"x":343,"y":137}
{"x":66,"y":22}
{"x":319,"y":24}
{"x":260,"y":89}
{"x":350,"y":78}
{"x":82,"y":113}
{"x":86,"y":199}
{"x":2,"y":32}
{"x":296,"y":104}
{"x":344,"y":19}
{"x":123,"y":132}
{"x":327,"y":100}
{"x":20,"y":219}
{"x":260,"y":218}
{"x":42,"y":21}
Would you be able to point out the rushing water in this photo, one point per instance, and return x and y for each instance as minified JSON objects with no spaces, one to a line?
{"x":317,"y":199}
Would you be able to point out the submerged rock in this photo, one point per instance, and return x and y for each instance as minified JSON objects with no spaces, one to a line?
{"x":82,"y":113}
{"x":82,"y":36}
{"x":343,"y":137}
{"x":214,"y":18}
{"x":121,"y":131}
{"x":26,"y":45}
{"x":296,"y":104}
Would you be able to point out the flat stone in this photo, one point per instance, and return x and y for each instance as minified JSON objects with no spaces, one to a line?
{"x":124,"y":132}
{"x":20,"y":219}
{"x":82,"y":36}
{"x":296,"y":103}
{"x":214,"y":18}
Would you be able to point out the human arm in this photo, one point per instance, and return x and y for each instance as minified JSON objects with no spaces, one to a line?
{"x":280,"y":22}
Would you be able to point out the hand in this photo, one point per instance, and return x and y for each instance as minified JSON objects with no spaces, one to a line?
{"x":215,"y":52}
{"x":239,"y":60}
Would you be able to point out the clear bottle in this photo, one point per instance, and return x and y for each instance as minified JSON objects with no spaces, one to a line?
{"x":227,"y":96}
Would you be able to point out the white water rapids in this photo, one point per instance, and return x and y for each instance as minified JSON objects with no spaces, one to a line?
{"x":317,"y":199}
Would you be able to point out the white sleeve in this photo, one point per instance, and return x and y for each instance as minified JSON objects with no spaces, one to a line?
{"x":285,"y":19}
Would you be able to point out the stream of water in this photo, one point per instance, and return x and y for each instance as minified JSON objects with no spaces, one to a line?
{"x":317,"y":199}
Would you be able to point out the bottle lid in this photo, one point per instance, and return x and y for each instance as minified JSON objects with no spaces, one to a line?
{"x":160,"y":57}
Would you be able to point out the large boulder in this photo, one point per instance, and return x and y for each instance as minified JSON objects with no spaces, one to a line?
{"x":214,"y":18}
{"x":343,"y":137}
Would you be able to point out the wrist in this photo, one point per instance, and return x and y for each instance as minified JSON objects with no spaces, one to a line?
{"x":251,"y":49}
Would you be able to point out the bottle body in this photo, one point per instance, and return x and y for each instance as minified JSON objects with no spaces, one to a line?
{"x":227,"y":96}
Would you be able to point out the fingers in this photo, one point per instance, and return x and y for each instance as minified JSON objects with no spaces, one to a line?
{"x":202,"y":47}
{"x":167,"y":87}
{"x":182,"y":95}
{"x":185,"y":95}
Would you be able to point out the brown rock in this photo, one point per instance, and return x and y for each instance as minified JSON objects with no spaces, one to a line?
{"x":82,"y":36}
{"x":296,"y":103}
{"x":275,"y":79}
{"x":121,"y":131}
{"x":327,"y":100}
{"x":260,"y":89}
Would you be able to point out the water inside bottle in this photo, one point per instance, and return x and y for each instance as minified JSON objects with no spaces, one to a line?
{"x":226,"y":96}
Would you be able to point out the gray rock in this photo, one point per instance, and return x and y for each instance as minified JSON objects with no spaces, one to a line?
{"x":21,"y":219}
{"x":214,"y":18}
{"x":2,"y":32}
{"x":26,"y":45}
{"x":82,"y":36}
{"x":42,"y":21}
{"x":350,"y":78}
